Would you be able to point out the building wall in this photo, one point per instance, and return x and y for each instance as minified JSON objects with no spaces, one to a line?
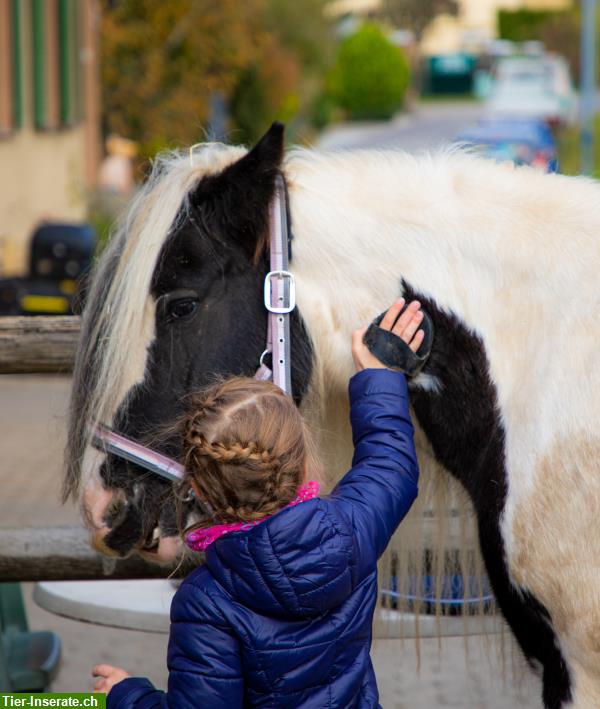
{"x":49,"y":123}
{"x":41,"y":178}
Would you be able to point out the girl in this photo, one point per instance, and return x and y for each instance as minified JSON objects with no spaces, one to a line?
{"x":280,"y":614}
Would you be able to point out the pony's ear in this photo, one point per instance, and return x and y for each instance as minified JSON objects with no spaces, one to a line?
{"x":267,"y":154}
{"x":240,"y":195}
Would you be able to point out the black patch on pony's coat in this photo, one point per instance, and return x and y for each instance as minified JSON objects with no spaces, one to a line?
{"x":463,"y":425}
{"x":217,"y":260}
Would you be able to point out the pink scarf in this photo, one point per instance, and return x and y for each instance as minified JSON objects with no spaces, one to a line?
{"x":201,"y":539}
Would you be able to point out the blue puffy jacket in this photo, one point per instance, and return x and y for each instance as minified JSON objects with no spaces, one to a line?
{"x":281,"y":615}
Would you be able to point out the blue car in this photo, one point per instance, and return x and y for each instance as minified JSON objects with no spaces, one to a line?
{"x":524,"y":141}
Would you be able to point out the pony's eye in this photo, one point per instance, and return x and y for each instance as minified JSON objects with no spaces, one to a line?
{"x":183,"y":308}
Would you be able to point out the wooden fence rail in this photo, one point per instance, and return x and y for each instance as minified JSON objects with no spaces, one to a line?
{"x":64,"y":554}
{"x":38,"y":344}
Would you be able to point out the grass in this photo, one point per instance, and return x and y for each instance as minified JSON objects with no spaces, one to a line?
{"x":569,"y":151}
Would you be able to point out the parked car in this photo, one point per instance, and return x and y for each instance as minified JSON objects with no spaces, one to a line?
{"x":524,"y":141}
{"x":532,"y":87}
{"x":59,"y":260}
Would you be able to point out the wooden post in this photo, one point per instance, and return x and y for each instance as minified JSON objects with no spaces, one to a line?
{"x":38,"y":344}
{"x":64,"y":554}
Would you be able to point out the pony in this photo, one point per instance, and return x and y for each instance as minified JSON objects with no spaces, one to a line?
{"x":505,"y":262}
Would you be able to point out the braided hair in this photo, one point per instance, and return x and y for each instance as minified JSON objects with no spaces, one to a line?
{"x":246,"y":448}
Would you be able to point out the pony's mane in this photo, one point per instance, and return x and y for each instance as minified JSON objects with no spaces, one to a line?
{"x":119,"y":309}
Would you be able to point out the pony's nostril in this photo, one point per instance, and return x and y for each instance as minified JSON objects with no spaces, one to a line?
{"x":116,"y":512}
{"x":152,"y":540}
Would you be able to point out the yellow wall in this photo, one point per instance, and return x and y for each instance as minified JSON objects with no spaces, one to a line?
{"x":41,"y":177}
{"x":360,"y":7}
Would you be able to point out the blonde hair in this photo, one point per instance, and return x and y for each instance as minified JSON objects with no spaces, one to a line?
{"x":246,"y":447}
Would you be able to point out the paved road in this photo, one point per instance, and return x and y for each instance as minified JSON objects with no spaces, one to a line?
{"x":428,"y":126}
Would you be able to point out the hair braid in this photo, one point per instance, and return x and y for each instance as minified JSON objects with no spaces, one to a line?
{"x":246,"y":447}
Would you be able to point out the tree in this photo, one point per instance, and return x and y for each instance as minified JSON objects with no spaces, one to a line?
{"x":162,"y":60}
{"x":370,"y":76}
{"x":415,"y":15}
{"x":288,"y":71}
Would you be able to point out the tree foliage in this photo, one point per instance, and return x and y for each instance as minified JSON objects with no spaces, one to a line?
{"x":161,"y":61}
{"x":415,"y":15}
{"x":370,"y":76}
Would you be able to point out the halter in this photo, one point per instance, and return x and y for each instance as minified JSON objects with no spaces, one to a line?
{"x":279,"y":294}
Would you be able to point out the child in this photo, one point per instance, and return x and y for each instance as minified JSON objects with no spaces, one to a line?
{"x":280,"y":615}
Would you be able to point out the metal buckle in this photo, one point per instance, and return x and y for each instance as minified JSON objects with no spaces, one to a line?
{"x":268,"y":292}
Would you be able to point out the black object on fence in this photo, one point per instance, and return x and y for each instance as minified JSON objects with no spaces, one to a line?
{"x":59,"y":260}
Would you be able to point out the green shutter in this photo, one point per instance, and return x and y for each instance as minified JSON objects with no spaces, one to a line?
{"x":40,"y":105}
{"x":17,"y":63}
{"x":65,"y":55}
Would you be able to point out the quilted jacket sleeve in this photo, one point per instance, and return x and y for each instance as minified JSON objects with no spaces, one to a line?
{"x":382,"y":484}
{"x":204,"y":661}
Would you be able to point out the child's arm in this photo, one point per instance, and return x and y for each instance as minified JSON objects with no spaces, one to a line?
{"x":382,"y":484}
{"x":204,"y":661}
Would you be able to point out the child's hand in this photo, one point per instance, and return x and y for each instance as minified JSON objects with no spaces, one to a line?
{"x":108,"y":676}
{"x":407,"y":327}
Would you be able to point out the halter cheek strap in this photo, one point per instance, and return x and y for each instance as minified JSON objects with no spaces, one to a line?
{"x":279,"y":296}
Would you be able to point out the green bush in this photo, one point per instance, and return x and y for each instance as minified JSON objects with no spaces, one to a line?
{"x":522,"y":25}
{"x":321,"y":110}
{"x":370,"y":75}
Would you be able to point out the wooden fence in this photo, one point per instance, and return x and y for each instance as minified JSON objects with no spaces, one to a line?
{"x":64,"y":554}
{"x":37,"y":345}
{"x":47,"y":345}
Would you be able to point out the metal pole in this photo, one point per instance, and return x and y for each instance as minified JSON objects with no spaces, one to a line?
{"x":217,"y":116}
{"x":588,"y":84}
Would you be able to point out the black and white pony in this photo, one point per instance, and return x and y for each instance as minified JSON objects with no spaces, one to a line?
{"x":505,"y":261}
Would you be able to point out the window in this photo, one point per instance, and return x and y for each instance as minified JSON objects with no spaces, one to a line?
{"x":17,"y":62}
{"x":68,"y":54}
{"x":6,"y":79}
{"x":54,"y":25}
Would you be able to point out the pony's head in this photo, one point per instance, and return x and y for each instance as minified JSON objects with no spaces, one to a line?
{"x":175,"y":300}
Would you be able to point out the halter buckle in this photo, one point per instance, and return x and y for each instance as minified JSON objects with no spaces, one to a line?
{"x":283,"y":305}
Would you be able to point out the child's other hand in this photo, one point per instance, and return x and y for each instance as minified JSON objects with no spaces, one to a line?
{"x":406,"y":327}
{"x":108,"y":676}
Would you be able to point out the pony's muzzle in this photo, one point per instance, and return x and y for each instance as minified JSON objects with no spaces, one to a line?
{"x":120,"y":524}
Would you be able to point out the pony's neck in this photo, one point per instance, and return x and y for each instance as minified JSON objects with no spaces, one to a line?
{"x":363,"y":222}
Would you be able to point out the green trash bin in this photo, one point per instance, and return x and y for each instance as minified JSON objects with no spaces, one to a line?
{"x":28,"y":660}
{"x":450,"y":73}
